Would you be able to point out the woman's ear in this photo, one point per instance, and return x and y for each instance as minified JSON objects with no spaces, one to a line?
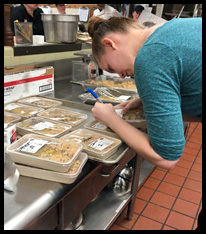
{"x":109,"y":43}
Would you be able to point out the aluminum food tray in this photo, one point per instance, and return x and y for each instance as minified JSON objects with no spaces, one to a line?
{"x":40,"y":102}
{"x":107,"y":94}
{"x":57,"y":114}
{"x":41,"y":124}
{"x":32,"y":110}
{"x":87,"y":83}
{"x":80,"y":134}
{"x":14,"y":118}
{"x":31,"y":160}
{"x":65,"y":178}
{"x":97,"y":127}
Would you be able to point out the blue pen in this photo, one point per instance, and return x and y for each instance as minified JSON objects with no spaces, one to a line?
{"x":94,"y":95}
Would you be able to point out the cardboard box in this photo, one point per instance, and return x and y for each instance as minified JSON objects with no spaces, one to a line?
{"x":10,"y":136}
{"x":24,"y":81}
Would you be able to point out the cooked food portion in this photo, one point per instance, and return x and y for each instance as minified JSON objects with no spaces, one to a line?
{"x":92,"y":141}
{"x":111,"y":83}
{"x":42,"y":126}
{"x":64,"y":116}
{"x":134,"y":114}
{"x":61,"y":151}
{"x":75,"y":167}
{"x":22,"y":110}
{"x":10,"y":118}
{"x":40,"y":102}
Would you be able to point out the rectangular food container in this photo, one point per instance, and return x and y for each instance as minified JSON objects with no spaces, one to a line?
{"x":135,"y":117}
{"x":34,"y":150}
{"x":75,"y":119}
{"x":42,"y":126}
{"x":100,"y":128}
{"x":24,"y":111}
{"x":66,"y":177}
{"x":108,"y":95}
{"x":95,"y":144}
{"x":40,"y":102}
{"x":10,"y":118}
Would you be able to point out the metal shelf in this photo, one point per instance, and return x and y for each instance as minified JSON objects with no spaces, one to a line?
{"x":102,"y":212}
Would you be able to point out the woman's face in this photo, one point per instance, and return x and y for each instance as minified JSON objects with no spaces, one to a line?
{"x":117,"y":61}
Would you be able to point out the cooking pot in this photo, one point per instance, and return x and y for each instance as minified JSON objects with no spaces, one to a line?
{"x":60,"y":28}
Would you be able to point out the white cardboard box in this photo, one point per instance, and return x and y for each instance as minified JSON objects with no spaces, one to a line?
{"x":24,"y":81}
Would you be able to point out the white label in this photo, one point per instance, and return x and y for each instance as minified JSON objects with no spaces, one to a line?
{"x":99,"y":126}
{"x":11,"y":107}
{"x":124,"y":97}
{"x":101,"y":143}
{"x":42,"y":125}
{"x":118,"y":111}
{"x":5,"y":126}
{"x":32,"y":145}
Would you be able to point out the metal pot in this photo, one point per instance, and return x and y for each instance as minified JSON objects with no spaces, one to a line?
{"x":60,"y":28}
{"x":126,"y":173}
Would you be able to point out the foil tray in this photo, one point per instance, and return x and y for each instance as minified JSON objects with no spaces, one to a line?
{"x":116,"y":83}
{"x":108,"y":95}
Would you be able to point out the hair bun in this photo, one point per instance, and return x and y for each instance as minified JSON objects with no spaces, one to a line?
{"x":93,"y":24}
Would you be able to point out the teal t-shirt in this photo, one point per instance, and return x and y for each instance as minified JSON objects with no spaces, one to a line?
{"x":168,"y":76}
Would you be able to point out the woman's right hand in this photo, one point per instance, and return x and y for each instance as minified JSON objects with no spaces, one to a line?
{"x":128,"y":105}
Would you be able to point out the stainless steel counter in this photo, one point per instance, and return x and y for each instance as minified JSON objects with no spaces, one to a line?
{"x":32,"y":198}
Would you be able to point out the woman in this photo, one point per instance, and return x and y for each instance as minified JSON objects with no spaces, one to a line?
{"x":166,"y":61}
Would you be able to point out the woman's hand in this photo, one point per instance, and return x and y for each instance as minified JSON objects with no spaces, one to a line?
{"x":103,"y":112}
{"x":128,"y":105}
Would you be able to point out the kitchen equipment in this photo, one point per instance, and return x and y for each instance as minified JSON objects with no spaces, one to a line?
{"x":121,"y":183}
{"x":60,"y":28}
{"x":84,"y":69}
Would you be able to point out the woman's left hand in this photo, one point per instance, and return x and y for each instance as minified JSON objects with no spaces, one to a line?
{"x":103,"y":112}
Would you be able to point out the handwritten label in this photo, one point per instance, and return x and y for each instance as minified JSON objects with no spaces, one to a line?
{"x":32,"y":145}
{"x":101,"y":143}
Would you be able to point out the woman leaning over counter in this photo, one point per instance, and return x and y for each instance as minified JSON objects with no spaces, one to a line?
{"x":166,"y":61}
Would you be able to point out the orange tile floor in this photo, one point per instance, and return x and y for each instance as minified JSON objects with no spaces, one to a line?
{"x":170,"y":199}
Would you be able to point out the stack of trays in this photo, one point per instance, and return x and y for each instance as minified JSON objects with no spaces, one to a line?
{"x":95,"y":144}
{"x":47,"y":158}
{"x":42,"y":126}
{"x":24,"y":111}
{"x":75,"y":119}
{"x":40,"y":102}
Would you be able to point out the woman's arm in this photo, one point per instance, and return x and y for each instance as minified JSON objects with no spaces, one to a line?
{"x":133,"y":137}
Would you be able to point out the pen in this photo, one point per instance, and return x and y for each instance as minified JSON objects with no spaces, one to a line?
{"x":94,"y":95}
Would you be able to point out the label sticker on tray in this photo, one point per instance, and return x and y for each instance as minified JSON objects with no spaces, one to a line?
{"x":42,"y":125}
{"x":32,"y":145}
{"x":99,"y":126}
{"x":124,"y":97}
{"x":101,"y":143}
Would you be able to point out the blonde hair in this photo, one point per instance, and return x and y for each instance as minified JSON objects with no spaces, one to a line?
{"x":98,"y":28}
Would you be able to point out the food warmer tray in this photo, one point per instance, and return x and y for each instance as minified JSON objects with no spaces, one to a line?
{"x":102,"y":78}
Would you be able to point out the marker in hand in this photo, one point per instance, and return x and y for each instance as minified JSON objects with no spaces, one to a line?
{"x":94,"y":95}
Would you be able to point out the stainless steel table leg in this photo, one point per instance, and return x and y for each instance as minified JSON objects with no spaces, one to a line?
{"x":135,"y":182}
